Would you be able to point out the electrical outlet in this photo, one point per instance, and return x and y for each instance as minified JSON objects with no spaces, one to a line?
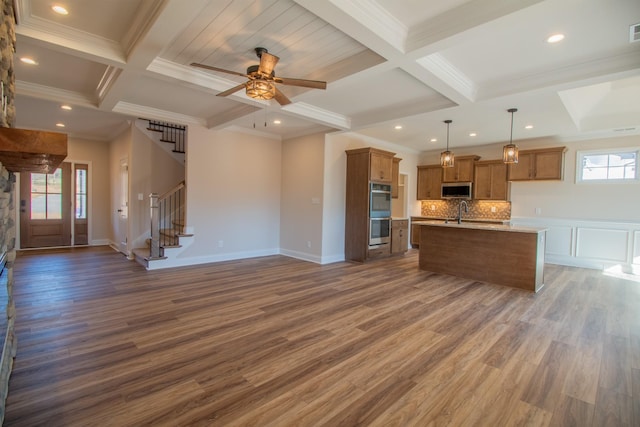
{"x":220,"y":243}
{"x":493,"y":209}
{"x":538,"y":211}
{"x":433,"y":207}
{"x":308,"y":243}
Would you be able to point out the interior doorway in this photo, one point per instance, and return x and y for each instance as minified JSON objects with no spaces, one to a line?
{"x":123,"y":209}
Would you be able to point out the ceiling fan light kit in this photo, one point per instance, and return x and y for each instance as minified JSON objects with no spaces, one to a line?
{"x":262,"y":79}
{"x":447,"y":157}
{"x":510,"y":151}
{"x":260,"y":89}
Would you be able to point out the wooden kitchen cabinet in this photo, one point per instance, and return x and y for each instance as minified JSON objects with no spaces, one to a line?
{"x":429,"y":182}
{"x":415,"y":235}
{"x":381,"y":166}
{"x":395,"y":177}
{"x":490,"y":180}
{"x":462,"y":170}
{"x":399,"y":236}
{"x":541,"y":164}
{"x":360,"y":164}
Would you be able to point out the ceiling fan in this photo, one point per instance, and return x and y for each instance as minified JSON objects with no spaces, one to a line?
{"x":262,"y":79}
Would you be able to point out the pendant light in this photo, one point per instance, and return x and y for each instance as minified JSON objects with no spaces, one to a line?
{"x":510,"y":151}
{"x":446,"y":157}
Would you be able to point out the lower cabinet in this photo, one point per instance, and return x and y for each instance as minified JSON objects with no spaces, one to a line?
{"x":415,"y":236}
{"x":399,"y":236}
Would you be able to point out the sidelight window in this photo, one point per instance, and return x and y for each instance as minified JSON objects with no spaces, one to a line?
{"x":81,"y":192}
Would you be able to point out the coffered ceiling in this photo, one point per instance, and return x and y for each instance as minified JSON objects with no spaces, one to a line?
{"x":388,"y":63}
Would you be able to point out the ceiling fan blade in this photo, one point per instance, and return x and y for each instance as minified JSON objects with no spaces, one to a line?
{"x":232,"y":90}
{"x":281,"y":98}
{"x":221,"y":70}
{"x":315,"y":84}
{"x":267,"y":63}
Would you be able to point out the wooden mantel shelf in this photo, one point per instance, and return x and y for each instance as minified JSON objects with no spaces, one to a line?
{"x":23,"y":150}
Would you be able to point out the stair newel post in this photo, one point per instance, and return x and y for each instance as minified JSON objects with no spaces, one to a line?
{"x":154,"y":250}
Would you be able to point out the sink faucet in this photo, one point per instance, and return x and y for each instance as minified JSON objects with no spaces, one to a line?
{"x":466,"y":209}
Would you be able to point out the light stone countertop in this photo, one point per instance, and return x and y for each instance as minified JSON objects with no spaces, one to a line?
{"x":481,"y":226}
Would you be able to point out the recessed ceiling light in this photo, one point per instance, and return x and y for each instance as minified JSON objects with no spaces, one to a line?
{"x":434,"y":139}
{"x":28,"y":60}
{"x":276,"y":122}
{"x":398,"y":127}
{"x":528,"y":127}
{"x":60,"y":10}
{"x":473,"y":134}
{"x":60,"y":125}
{"x":555,"y":38}
{"x":66,"y":107}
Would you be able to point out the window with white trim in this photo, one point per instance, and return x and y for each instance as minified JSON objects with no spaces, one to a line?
{"x":607,"y":165}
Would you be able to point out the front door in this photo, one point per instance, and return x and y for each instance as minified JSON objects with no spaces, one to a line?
{"x":45,"y":208}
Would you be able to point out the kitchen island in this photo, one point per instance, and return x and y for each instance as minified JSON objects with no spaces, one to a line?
{"x":495,"y":253}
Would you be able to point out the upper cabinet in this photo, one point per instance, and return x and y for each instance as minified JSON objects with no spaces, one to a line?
{"x":429,"y":182}
{"x":462,"y":170}
{"x":381,"y":166}
{"x":490,"y":180}
{"x":542,"y":164}
{"x":395,"y":177}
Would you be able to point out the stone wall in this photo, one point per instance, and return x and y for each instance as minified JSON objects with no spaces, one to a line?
{"x":7,"y":77}
{"x":7,"y":311}
{"x":7,"y":206}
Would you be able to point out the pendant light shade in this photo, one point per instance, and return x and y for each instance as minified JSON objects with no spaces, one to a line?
{"x":446,"y":157}
{"x":510,"y":151}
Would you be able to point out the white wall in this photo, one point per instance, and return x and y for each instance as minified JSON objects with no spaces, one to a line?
{"x":302,"y":197}
{"x":233,"y":196}
{"x":335,"y":169}
{"x":94,"y":153}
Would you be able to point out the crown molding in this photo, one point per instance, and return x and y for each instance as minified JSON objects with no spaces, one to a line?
{"x":190,"y":75}
{"x":141,"y":23}
{"x":137,"y":110}
{"x":459,"y":19}
{"x":373,"y":16}
{"x":319,"y":115}
{"x":106,"y":82}
{"x":621,"y":64}
{"x":49,"y":93}
{"x":89,"y":46}
{"x":437,"y":65}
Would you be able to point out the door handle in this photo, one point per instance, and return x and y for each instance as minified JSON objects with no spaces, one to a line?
{"x":119,"y":210}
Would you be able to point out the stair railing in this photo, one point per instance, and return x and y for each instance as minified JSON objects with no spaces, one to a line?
{"x":167,"y":219}
{"x":171,"y":133}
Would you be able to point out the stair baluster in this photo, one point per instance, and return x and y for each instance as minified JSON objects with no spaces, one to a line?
{"x":167,"y":219}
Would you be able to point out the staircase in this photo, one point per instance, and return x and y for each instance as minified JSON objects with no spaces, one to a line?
{"x":167,"y":227}
{"x":170,"y":133}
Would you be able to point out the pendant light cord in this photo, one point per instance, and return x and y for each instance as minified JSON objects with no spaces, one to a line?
{"x":511,"y":110}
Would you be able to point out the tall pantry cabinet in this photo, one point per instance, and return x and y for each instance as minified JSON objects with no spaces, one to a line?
{"x":364,"y":165}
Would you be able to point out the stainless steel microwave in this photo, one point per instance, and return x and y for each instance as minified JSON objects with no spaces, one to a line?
{"x":456,"y":190}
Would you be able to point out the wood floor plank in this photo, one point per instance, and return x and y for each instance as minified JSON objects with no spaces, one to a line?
{"x":276,"y":341}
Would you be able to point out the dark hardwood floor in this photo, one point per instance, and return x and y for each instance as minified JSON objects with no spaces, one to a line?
{"x":276,"y":341}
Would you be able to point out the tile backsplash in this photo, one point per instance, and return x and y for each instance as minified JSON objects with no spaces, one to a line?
{"x":478,"y":209}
